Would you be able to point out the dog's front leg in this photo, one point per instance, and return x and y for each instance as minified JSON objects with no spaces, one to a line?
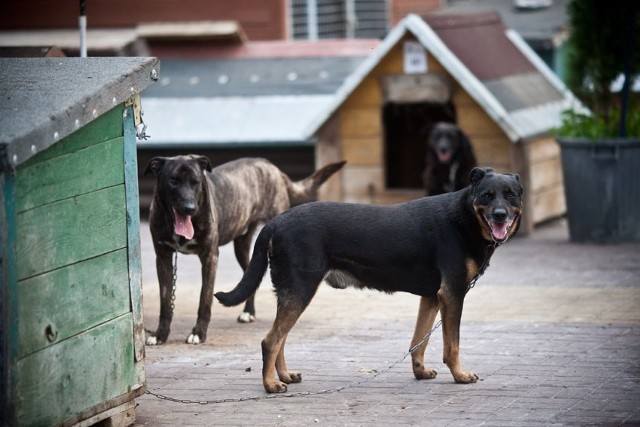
{"x":426,"y":316}
{"x":164,"y":268}
{"x":451,"y":312}
{"x":209,"y":262}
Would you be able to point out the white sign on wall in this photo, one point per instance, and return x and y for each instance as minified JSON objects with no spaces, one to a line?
{"x":415,"y":58}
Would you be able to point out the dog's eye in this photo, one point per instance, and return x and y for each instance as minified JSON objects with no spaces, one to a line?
{"x":173,"y":182}
{"x":511,"y":195}
{"x":487,"y":195}
{"x":194,"y":182}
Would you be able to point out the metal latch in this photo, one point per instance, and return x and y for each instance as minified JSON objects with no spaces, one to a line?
{"x":141,"y":128}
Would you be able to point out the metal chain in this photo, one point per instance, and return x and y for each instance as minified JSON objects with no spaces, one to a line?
{"x":483,"y":267}
{"x":303,"y":393}
{"x":174,"y":280}
{"x":355,"y":383}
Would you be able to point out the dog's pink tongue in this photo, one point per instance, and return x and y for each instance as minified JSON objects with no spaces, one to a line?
{"x":499,"y":230}
{"x":444,"y":157}
{"x":182,"y":225}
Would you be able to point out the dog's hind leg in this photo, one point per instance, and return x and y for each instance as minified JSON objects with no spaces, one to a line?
{"x":242,"y":247}
{"x":451,"y":309}
{"x":284,"y":374}
{"x":273,"y":348}
{"x":426,"y":316}
{"x":293,"y":299}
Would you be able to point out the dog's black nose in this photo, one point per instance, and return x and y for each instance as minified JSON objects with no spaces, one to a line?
{"x":500,"y":214}
{"x":189,"y":209}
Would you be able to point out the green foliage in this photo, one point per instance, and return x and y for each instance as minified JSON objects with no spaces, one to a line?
{"x":580,"y":125}
{"x":604,"y":42}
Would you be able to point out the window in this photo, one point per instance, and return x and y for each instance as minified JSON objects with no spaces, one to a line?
{"x":330,"y":19}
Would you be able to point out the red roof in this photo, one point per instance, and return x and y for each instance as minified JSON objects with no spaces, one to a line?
{"x":479,"y":41}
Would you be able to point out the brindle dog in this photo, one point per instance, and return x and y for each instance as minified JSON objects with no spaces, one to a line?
{"x":432,"y":247}
{"x":196,"y":209}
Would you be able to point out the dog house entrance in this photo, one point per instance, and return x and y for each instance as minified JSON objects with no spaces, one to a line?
{"x":412,"y":104}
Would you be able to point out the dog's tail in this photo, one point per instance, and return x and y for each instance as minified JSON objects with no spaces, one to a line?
{"x":255,"y":272}
{"x":306,"y":190}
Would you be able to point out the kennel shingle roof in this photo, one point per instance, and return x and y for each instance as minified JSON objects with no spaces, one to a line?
{"x":539,"y":26}
{"x":491,"y":63}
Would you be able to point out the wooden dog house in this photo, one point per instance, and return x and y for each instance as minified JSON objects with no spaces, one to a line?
{"x":469,"y":68}
{"x":72,"y":338}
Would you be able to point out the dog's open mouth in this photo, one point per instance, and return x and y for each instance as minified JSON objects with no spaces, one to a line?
{"x":182,"y":225}
{"x":444,"y":156}
{"x":499,"y":229}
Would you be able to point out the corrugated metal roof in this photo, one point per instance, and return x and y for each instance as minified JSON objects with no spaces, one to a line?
{"x":252,"y":77}
{"x":523,"y":91}
{"x":247,"y":100}
{"x":231,"y":120}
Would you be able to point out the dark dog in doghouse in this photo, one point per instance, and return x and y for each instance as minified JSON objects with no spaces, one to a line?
{"x":433,"y":247}
{"x":197,"y":208}
{"x":449,"y":161}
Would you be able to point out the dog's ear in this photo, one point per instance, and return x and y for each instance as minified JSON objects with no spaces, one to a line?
{"x":478,"y":173}
{"x":517,"y":178}
{"x":204,"y":163}
{"x":155,"y":165}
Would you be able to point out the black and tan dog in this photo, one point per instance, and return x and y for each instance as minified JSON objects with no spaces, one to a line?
{"x":196,"y":209}
{"x":449,"y":161}
{"x":432,"y":247}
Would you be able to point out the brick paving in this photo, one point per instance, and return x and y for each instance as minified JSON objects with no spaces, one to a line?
{"x":552,"y":330}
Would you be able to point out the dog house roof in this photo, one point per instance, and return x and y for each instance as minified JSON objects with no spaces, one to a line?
{"x":47,"y":99}
{"x":491,"y":63}
{"x":254,"y":93}
{"x":540,"y":25}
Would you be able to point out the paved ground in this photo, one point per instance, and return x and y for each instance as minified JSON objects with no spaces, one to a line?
{"x":552,"y":329}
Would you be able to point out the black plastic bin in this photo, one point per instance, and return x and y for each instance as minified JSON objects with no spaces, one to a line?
{"x":602,"y":189}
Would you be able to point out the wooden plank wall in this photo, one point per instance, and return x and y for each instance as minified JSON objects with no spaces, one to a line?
{"x":545,"y":179}
{"x":329,"y":150}
{"x":361,"y":133}
{"x":491,"y":146}
{"x":75,"y":318}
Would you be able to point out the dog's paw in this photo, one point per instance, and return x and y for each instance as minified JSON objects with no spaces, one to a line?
{"x":153,"y":340}
{"x":466,"y":378}
{"x":290,"y":377}
{"x":275,"y":387}
{"x":193,"y":339}
{"x":296,"y":377}
{"x":424,"y":373}
{"x":246,"y":317}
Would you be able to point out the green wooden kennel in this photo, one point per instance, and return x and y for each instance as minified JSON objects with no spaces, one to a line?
{"x":71,"y":327}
